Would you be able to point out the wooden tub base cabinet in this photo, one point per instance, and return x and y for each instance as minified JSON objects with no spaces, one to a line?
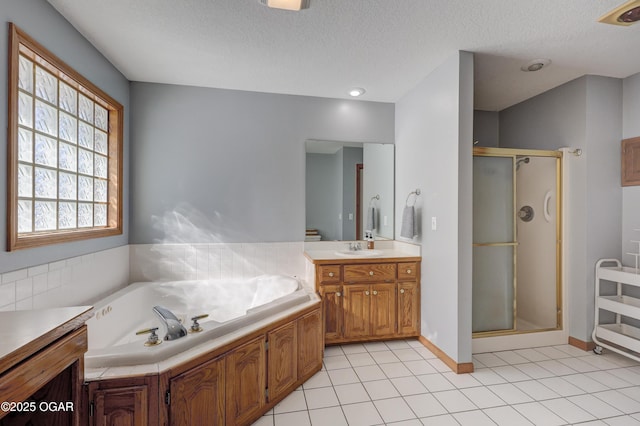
{"x":231,"y":385}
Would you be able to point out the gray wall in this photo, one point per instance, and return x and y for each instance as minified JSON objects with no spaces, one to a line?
{"x":630,"y":194}
{"x":486,"y":128}
{"x":351,"y":157}
{"x":584,"y":113}
{"x":434,"y":153}
{"x":233,"y":160}
{"x":42,"y":22}
{"x":379,"y":180}
{"x":322,"y":200}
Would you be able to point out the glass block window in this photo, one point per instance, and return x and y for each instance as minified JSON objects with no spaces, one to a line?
{"x":65,"y":151}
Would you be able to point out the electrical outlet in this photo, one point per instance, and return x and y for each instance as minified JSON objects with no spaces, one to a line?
{"x":434,"y":223}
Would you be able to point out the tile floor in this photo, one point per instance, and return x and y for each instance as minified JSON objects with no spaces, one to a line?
{"x":403,"y":383}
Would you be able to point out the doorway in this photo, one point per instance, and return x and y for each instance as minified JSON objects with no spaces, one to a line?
{"x":516,"y":241}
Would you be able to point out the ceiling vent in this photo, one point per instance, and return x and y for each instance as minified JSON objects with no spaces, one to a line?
{"x":286,"y":4}
{"x":627,"y":14}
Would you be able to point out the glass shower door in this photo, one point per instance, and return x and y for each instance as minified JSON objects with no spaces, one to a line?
{"x":494,"y":244}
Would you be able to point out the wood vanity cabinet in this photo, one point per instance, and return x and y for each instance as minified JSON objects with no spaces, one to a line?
{"x":369,"y":301}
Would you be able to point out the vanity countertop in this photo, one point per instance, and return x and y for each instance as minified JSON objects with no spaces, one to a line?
{"x":320,"y":257}
{"x":23,"y":333}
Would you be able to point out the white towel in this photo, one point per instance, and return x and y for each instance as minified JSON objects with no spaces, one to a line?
{"x":371,"y":218}
{"x":408,"y":226}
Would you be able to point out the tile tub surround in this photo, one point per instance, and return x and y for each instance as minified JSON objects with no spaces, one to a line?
{"x":88,"y":278}
{"x":151,"y":262}
{"x":402,"y":382}
{"x":75,"y":281}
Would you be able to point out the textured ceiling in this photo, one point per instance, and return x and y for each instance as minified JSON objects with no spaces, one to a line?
{"x":385,"y":46}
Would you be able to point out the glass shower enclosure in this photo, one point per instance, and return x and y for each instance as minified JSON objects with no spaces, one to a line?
{"x":516,"y":241}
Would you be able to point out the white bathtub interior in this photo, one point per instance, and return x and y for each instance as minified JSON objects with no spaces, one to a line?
{"x":229,"y":304}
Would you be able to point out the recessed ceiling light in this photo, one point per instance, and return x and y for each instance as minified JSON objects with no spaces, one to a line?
{"x":535,"y":65}
{"x":627,"y":14}
{"x":356,"y":91}
{"x":286,"y":4}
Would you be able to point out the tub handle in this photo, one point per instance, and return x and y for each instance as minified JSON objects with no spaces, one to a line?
{"x":153,"y":339}
{"x":195,"y":327}
{"x":147,"y":330}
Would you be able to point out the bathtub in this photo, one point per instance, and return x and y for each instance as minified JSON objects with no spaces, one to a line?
{"x":230,"y":305}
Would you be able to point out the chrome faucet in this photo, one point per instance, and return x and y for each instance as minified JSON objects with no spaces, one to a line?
{"x":175,"y":329}
{"x":355,"y":246}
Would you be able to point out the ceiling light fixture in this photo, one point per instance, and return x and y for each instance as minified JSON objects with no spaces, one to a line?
{"x":627,"y":14}
{"x":535,"y":65}
{"x":356,"y":91}
{"x":286,"y":4}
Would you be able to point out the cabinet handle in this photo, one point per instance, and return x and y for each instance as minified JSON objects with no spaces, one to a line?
{"x":371,"y":273}
{"x":402,"y":291}
{"x":331,"y":274}
{"x":375,"y":292}
{"x":338,"y":294}
{"x":408,"y":271}
{"x":366,"y":293}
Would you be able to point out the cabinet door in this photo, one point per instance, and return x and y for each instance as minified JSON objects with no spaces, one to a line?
{"x":383,"y":309}
{"x":198,"y":395}
{"x":125,"y":406}
{"x":245,"y":381}
{"x":356,"y":310}
{"x":332,"y":311}
{"x":408,"y":308}
{"x":310,"y":343}
{"x":282,"y":365}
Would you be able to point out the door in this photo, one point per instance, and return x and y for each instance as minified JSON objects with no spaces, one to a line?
{"x":356,"y":310}
{"x":245,"y":381}
{"x":332,"y":311}
{"x":126,"y":406}
{"x":310,"y":343}
{"x":408,"y":308}
{"x":282,"y":359}
{"x":494,"y":243}
{"x":198,"y":394}
{"x":383,"y":309}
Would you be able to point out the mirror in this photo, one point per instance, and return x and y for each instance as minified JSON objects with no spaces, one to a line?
{"x":349,"y":189}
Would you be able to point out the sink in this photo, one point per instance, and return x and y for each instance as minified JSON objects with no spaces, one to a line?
{"x":359,"y":253}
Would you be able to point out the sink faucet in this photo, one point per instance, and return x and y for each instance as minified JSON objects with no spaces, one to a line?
{"x":175,"y":329}
{"x":355,"y":246}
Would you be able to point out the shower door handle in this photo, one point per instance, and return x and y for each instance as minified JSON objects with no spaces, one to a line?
{"x":545,"y":209}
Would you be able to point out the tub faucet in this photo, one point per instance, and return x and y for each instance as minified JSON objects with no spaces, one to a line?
{"x":175,"y":329}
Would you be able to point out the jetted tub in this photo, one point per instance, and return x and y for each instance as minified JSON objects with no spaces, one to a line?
{"x":230,"y":305}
